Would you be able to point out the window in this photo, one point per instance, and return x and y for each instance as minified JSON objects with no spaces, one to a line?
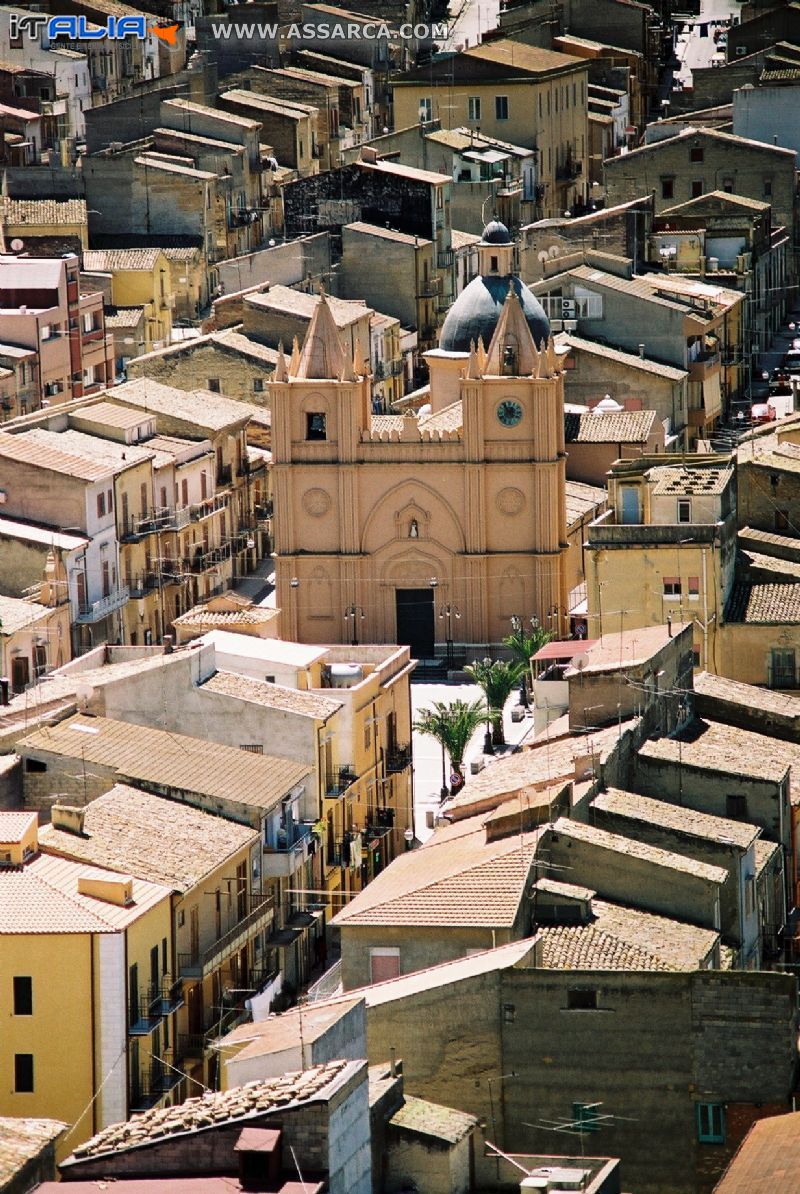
{"x":684,"y":510}
{"x":45,"y":332}
{"x":23,"y":1073}
{"x":711,"y":1123}
{"x":213,"y":385}
{"x":23,"y":995}
{"x":258,"y":385}
{"x":696,"y":188}
{"x":735,"y":806}
{"x":101,"y":505}
{"x":694,"y":586}
{"x":383,"y":964}
{"x":783,"y":668}
{"x":696,"y":153}
{"x":426,"y":108}
{"x":367,"y":735}
{"x":493,"y":264}
{"x":695,"y":657}
{"x":474,"y":107}
{"x":586,"y":1117}
{"x":87,"y":321}
{"x":501,"y":107}
{"x":316,"y":425}
{"x":727,"y":185}
{"x":767,"y":188}
{"x":88,"y":375}
{"x":35,"y":765}
{"x":509,"y":1013}
{"x":749,"y":896}
{"x":672,"y":586}
{"x":581,"y":999}
{"x":781,"y":520}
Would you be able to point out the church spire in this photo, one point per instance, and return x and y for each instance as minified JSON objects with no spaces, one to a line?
{"x":321,"y":355}
{"x":280,"y":373}
{"x":294,"y":363}
{"x":512,"y":348}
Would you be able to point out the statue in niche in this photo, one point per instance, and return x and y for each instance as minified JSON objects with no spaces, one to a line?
{"x":413,"y":530}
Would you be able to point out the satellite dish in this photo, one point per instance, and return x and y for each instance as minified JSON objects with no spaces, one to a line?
{"x":17,"y":244}
{"x":544,"y":256}
{"x":554,"y":251}
{"x":580,"y":661}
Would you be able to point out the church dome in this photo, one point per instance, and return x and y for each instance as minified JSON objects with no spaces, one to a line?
{"x":477,"y":309}
{"x":496,"y":233}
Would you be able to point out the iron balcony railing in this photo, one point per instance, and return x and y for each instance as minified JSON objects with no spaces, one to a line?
{"x":398,"y":760}
{"x":202,"y":963}
{"x":340,"y":780}
{"x":95,"y":611}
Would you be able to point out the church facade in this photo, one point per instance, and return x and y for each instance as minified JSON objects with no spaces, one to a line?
{"x":432,"y":526}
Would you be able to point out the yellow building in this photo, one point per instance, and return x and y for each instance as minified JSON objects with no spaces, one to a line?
{"x":518,"y":93}
{"x":140,"y":278}
{"x":34,"y":638}
{"x":221,"y":920}
{"x":84,"y":954}
{"x":437,"y":526}
{"x":664,"y":550}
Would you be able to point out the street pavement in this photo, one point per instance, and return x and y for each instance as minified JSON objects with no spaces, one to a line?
{"x":695,"y":46}
{"x":428,"y":753}
{"x":468,"y":20}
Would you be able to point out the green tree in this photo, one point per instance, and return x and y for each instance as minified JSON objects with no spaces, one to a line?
{"x":452,"y":725}
{"x":497,"y":679}
{"x":524,"y":644}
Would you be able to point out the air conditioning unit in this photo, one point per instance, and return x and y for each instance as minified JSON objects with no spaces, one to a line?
{"x":570,"y":325}
{"x":556,"y":325}
{"x":568,"y":309}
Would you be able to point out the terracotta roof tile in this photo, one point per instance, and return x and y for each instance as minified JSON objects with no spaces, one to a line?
{"x":272,"y":696}
{"x":713,"y":746}
{"x":768,"y":604}
{"x":432,"y":1119}
{"x":675,"y":818}
{"x":612,"y":427}
{"x":21,"y":1141}
{"x":43,"y":211}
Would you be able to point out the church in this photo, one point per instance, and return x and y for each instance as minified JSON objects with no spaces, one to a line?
{"x":431,"y":527}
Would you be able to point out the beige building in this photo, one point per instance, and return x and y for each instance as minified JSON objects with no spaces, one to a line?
{"x":225,"y":362}
{"x":665,"y":550}
{"x":522,"y":94}
{"x":139,"y":278}
{"x":34,"y":638}
{"x":401,"y":517}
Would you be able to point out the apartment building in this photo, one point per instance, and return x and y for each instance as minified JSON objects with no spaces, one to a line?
{"x":221,"y":921}
{"x":342,"y":120}
{"x":529,"y":96}
{"x":34,"y":637}
{"x":292,"y":126}
{"x":46,"y":227}
{"x":48,"y":79}
{"x":665,"y":548}
{"x":107,"y":937}
{"x":45,"y":310}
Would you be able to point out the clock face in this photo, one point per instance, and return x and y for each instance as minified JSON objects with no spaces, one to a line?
{"x":509,"y":412}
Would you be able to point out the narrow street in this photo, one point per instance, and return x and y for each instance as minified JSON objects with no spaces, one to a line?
{"x":469,"y":20}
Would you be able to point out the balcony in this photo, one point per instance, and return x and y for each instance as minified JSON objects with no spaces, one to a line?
{"x":430,"y":288}
{"x":340,"y":780}
{"x":224,"y":475}
{"x":153,"y":1004}
{"x":288,"y":851}
{"x":143,"y":584}
{"x":569,"y":171}
{"x":445,"y":258}
{"x":199,"y":965}
{"x":263,"y":511}
{"x":150,"y":1085}
{"x":703,"y":366}
{"x":208,"y":506}
{"x":398,"y":759}
{"x":95,"y":611}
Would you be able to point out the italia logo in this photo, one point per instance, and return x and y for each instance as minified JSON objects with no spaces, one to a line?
{"x":81,"y":29}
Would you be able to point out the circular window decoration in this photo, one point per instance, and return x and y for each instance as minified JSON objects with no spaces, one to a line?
{"x":510,"y":501}
{"x":316,"y":502}
{"x":509,"y":412}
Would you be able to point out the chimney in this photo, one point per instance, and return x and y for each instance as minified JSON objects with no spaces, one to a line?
{"x":168,"y":647}
{"x":641,"y":351}
{"x":5,"y":688}
{"x":68,"y":817}
{"x":669,"y":625}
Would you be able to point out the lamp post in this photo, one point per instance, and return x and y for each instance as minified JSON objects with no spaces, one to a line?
{"x":356,"y":613}
{"x":449,"y":611}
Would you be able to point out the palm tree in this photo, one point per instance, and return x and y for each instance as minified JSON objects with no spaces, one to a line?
{"x":523,"y":645}
{"x":452,"y":725}
{"x":497,"y":679}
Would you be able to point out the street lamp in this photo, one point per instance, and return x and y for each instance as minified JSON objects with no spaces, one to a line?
{"x":357,"y":614}
{"x":488,"y":745}
{"x":516,"y":627}
{"x":449,"y":611}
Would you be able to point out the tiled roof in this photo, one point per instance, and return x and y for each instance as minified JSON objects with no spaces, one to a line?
{"x":782,"y":545}
{"x":465,"y":881}
{"x":115,"y":455}
{"x":716,"y":196}
{"x":764,"y":852}
{"x":177,"y":761}
{"x":731,"y":141}
{"x":181,"y":253}
{"x":583,"y":499}
{"x":771,"y":604}
{"x":675,"y":818}
{"x":297,"y":302}
{"x":247,"y":347}
{"x":631,"y":359}
{"x":712,"y":746}
{"x":21,"y":1141}
{"x":768,"y":1160}
{"x":209,"y":412}
{"x":272,"y":696}
{"x":223,"y":618}
{"x":43,"y":211}
{"x":463,"y":240}
{"x":750,"y":696}
{"x":42,"y":896}
{"x":121,"y":826}
{"x":14,"y":825}
{"x":586,"y":947}
{"x":636,"y":287}
{"x":399,"y":170}
{"x":386,"y":423}
{"x":432,"y":1119}
{"x":311,"y":1021}
{"x":123,"y":317}
{"x":689,"y":481}
{"x":628,"y":847}
{"x":16,"y":614}
{"x":216,"y":1109}
{"x":450,"y":418}
{"x":110,"y":415}
{"x":612,"y":427}
{"x":757,"y":562}
{"x":404,"y":238}
{"x":521,"y":57}
{"x":23,"y":450}
{"x":109,"y":260}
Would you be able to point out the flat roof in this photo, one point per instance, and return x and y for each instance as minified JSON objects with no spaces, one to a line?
{"x":271,"y":650}
{"x":49,"y":537}
{"x":564,"y":650}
